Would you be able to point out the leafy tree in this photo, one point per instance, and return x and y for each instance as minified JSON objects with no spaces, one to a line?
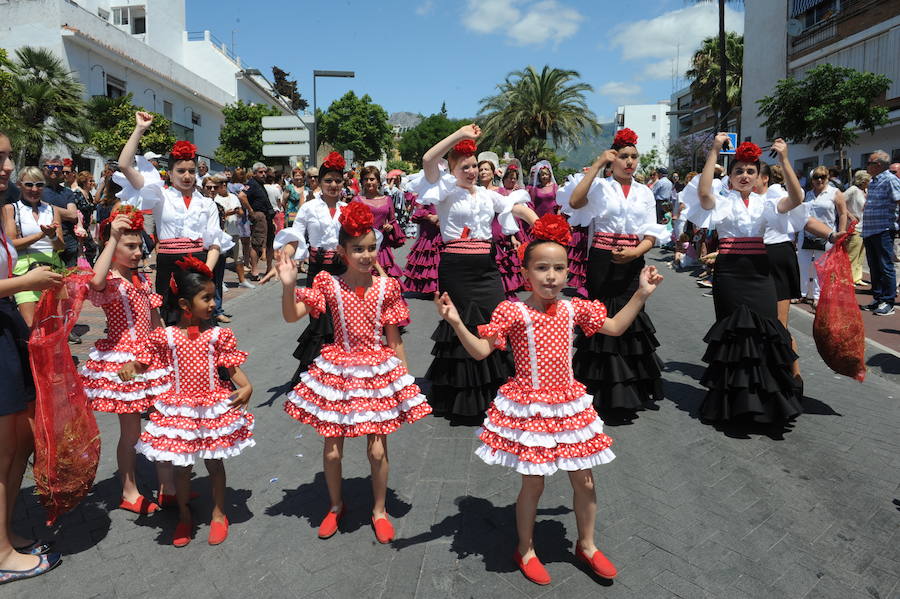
{"x":648,"y":162}
{"x":403,"y":165}
{"x":288,"y":88}
{"x":688,"y":153}
{"x":722,"y":61}
{"x":826,"y":107}
{"x":705,"y":73}
{"x":46,"y":105}
{"x":7,"y":122}
{"x":357,"y":124}
{"x":536,"y":150}
{"x":544,"y":105}
{"x":112,"y":121}
{"x":420,"y":138}
{"x":240,"y":140}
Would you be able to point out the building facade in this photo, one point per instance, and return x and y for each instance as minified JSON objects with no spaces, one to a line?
{"x":787,"y":38}
{"x":651,"y":123}
{"x":115,"y":47}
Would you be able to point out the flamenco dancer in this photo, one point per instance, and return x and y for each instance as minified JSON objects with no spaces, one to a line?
{"x":749,"y":353}
{"x":187,"y":223}
{"x":542,"y":420}
{"x":622,"y":373}
{"x":200,"y":417}
{"x":314,"y":236}
{"x":382,"y":207}
{"x":543,"y":189}
{"x":131,"y":309}
{"x":358,"y":385}
{"x":421,"y":272}
{"x":461,"y":387}
{"x":505,"y":246}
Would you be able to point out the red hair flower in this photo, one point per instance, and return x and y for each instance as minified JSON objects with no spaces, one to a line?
{"x":625,"y":137}
{"x":356,"y":219}
{"x":552,"y":227}
{"x":334,"y":161}
{"x":136,"y":216}
{"x":67,"y":162}
{"x":747,"y":152}
{"x":183,"y":150}
{"x":192,"y":264}
{"x":512,"y":167}
{"x":466,"y":147}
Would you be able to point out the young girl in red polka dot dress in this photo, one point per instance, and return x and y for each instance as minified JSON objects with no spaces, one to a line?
{"x":358,"y":385}
{"x":542,"y":420}
{"x":200,"y":417}
{"x":131,"y":309}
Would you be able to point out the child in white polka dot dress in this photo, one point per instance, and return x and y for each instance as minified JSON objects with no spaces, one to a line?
{"x":542,"y":420}
{"x":201,"y":416}
{"x":132,"y":310}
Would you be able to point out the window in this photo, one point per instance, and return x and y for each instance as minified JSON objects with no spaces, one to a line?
{"x":103,"y":14}
{"x":167,"y":109}
{"x":195,"y":119}
{"x":653,"y":134}
{"x":653,"y":117}
{"x":139,"y":26}
{"x":115,"y":87}
{"x":120,"y":16}
{"x":825,"y":9}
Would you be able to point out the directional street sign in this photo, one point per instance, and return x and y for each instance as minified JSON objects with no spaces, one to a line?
{"x":301,"y":149}
{"x":733,"y":144}
{"x":285,"y":135}
{"x":282,"y":122}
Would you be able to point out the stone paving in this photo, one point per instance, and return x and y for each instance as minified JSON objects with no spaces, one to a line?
{"x":685,"y":510}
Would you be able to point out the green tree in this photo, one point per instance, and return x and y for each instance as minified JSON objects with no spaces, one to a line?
{"x":531,"y":105}
{"x":288,"y":88}
{"x":420,"y":138}
{"x":648,"y":162}
{"x":240,"y":140}
{"x":356,"y":124}
{"x":112,"y":121}
{"x":403,"y":165}
{"x":826,"y":107}
{"x":705,"y":73}
{"x":46,"y":105}
{"x":7,"y":122}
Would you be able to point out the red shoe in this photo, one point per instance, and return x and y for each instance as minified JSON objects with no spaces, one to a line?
{"x":182,"y":534}
{"x":329,"y":525}
{"x":172,"y":500}
{"x":384,"y":530}
{"x":142,"y":506}
{"x":534,"y":570}
{"x":601,"y":566}
{"x":218,"y":532}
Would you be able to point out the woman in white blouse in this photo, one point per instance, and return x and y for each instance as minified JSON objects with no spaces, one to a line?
{"x":461,"y":387}
{"x":623,"y":373}
{"x":826,"y":203}
{"x":186,"y":221}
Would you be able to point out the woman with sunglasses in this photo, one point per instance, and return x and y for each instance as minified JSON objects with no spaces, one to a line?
{"x":825,"y":203}
{"x":34,"y":228}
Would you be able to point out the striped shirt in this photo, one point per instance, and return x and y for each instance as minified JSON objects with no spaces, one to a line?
{"x":880,"y":212}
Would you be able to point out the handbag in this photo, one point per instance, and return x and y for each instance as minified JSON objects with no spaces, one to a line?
{"x":813,"y":243}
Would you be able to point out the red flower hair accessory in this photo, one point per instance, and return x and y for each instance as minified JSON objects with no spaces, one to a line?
{"x":192,"y":264}
{"x":747,"y":152}
{"x":334,"y":161}
{"x":466,"y":148}
{"x":356,"y":219}
{"x":183,"y":150}
{"x":136,"y":216}
{"x":625,"y":137}
{"x":67,"y":162}
{"x":512,"y":167}
{"x":550,"y":227}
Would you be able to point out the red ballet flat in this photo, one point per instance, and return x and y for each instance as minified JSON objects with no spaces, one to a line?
{"x":598,"y":562}
{"x":218,"y":532}
{"x":182,"y":534}
{"x":384,"y":530}
{"x":329,"y":524}
{"x":142,"y":506}
{"x":534,"y":570}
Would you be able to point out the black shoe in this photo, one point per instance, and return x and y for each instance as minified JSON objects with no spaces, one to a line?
{"x":73,"y":338}
{"x":870,"y":307}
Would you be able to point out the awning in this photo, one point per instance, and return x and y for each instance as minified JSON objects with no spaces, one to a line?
{"x":801,"y":6}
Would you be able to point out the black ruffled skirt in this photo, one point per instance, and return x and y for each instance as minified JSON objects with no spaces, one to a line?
{"x":320,"y":330}
{"x":462,"y":387}
{"x":622,"y":373}
{"x":749,"y":353}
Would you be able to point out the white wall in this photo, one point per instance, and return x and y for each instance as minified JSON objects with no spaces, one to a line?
{"x":651,"y":124}
{"x":765,"y":51}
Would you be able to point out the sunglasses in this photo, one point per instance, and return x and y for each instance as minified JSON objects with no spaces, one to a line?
{"x":53,"y":167}
{"x":32,"y":184}
{"x":313,"y":176}
{"x":819,"y":178}
{"x":210,"y":186}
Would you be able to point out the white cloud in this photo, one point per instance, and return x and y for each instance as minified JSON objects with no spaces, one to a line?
{"x":620,"y":92}
{"x":425,"y":8}
{"x":677,"y":33}
{"x":543,"y":21}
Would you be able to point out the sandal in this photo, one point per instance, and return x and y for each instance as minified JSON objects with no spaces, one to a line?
{"x":38,"y":547}
{"x":47,"y":562}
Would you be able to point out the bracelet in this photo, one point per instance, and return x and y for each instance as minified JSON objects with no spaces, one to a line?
{"x":830,"y":237}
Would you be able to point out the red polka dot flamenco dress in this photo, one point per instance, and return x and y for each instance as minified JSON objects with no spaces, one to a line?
{"x":357,"y":386}
{"x":542,"y":420}
{"x":193,"y":420}
{"x":127,"y":305}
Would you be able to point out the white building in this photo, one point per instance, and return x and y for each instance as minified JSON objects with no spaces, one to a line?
{"x":787,"y":38}
{"x":651,"y":123}
{"x":119,"y":46}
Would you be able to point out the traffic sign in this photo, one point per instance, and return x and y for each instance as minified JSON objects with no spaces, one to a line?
{"x":285,"y":135}
{"x":301,"y":149}
{"x":282,"y":122}
{"x":732,"y":145}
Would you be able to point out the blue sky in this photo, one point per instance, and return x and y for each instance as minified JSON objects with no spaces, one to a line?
{"x":412,"y":55}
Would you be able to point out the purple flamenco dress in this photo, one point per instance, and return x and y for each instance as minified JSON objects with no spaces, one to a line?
{"x":421,"y":273}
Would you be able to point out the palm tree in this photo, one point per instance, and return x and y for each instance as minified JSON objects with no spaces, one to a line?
{"x":48,"y":108}
{"x":706,"y":74}
{"x":531,"y":105}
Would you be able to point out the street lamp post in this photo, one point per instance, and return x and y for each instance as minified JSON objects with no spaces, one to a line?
{"x":314,"y":134}
{"x":153,"y":92}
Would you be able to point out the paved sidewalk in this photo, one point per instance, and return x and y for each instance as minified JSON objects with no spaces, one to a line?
{"x":685,"y":510}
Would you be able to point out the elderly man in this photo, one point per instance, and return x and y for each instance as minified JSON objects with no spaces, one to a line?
{"x":662,"y":192}
{"x":262,"y":218}
{"x":56,"y":193}
{"x":879,"y":225}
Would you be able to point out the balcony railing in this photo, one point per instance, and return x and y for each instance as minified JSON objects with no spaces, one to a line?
{"x":828,"y":28}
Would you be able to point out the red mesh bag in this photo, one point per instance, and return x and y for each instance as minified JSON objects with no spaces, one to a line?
{"x":66,"y":437}
{"x":838,"y":327}
{"x":279,"y":221}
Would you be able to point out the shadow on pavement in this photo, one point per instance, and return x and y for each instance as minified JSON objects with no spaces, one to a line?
{"x":280,"y":390}
{"x":310,"y":501}
{"x":887,"y":363}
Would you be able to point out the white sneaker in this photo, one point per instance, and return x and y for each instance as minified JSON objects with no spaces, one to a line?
{"x":248,"y":285}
